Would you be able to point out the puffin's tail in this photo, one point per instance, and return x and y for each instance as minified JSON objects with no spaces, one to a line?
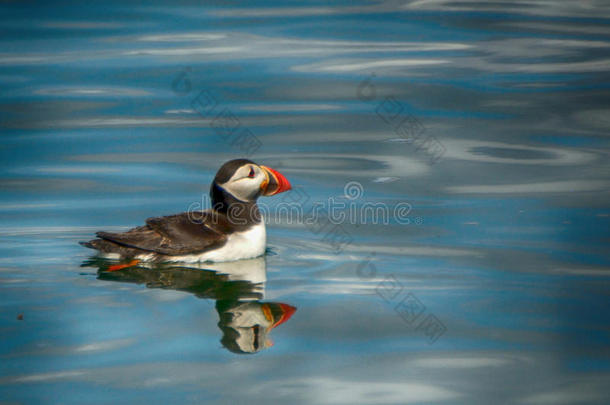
{"x":89,"y":244}
{"x":108,"y":247}
{"x":104,"y":246}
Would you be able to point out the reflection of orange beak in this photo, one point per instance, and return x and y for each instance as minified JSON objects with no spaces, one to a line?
{"x":276,"y":182}
{"x":287,"y":311}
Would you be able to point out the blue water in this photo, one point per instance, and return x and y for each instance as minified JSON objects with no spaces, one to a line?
{"x":480,"y":127}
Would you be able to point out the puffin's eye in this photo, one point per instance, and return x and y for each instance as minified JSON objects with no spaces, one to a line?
{"x":251,"y":174}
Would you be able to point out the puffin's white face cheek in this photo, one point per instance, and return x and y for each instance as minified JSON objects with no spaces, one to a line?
{"x":245,"y":184}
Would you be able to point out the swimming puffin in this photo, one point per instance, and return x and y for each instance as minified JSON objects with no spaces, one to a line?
{"x":232,"y":229}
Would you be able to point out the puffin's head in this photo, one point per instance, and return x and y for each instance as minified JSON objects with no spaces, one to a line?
{"x":246,"y":181}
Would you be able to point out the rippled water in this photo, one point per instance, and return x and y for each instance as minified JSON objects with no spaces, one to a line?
{"x":481,"y":128}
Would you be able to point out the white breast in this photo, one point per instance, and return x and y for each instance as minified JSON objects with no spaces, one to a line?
{"x":239,"y":245}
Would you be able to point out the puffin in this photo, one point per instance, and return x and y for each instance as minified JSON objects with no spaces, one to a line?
{"x":232,"y":229}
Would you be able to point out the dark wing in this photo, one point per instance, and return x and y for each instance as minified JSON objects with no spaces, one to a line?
{"x":179,"y":234}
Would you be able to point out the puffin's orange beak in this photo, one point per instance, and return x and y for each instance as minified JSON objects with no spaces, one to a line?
{"x":276,"y":182}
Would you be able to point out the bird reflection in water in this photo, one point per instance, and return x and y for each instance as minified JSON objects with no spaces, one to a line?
{"x":238,"y":288}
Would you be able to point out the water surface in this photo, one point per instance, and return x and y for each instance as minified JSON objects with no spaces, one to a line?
{"x":486,"y":122}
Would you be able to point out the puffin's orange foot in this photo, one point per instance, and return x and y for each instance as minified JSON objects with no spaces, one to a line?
{"x":123,"y":266}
